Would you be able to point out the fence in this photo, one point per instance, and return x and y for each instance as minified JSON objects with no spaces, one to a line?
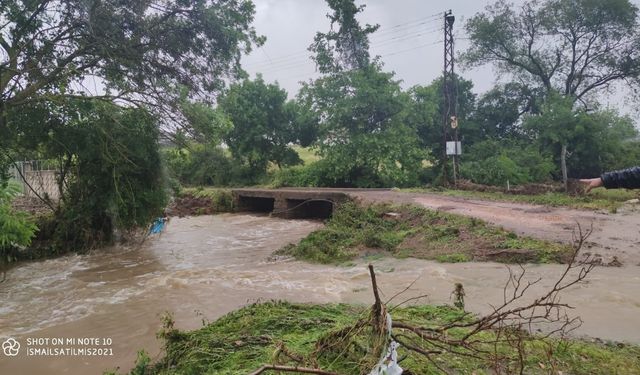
{"x":37,"y":177}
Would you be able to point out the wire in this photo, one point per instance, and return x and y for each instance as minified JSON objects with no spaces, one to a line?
{"x":303,"y":61}
{"x":382,"y":32}
{"x":412,"y":49}
{"x":304,"y":202}
{"x":382,"y":55}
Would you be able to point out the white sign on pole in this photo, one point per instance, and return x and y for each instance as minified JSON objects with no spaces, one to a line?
{"x":454,"y":122}
{"x":454,"y":148}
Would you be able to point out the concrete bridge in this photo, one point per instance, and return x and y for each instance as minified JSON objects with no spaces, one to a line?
{"x":290,"y":203}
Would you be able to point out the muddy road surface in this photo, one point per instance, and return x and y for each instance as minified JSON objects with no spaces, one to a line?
{"x":614,"y":235}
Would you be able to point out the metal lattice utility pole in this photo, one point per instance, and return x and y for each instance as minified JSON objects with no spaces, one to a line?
{"x":450,"y":119}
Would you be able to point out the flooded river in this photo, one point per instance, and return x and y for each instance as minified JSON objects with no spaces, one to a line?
{"x":203,"y":267}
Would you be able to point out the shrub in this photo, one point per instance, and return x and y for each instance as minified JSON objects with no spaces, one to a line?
{"x":297,"y":176}
{"x":16,"y":228}
{"x":494,"y":163}
{"x":495,"y":170}
{"x":115,"y":175}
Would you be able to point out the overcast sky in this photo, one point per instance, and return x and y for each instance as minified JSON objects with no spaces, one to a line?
{"x":409,"y":40}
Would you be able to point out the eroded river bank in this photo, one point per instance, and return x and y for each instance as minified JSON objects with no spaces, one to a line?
{"x":203,"y":267}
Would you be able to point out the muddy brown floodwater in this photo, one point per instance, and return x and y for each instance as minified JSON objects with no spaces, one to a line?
{"x":203,"y":267}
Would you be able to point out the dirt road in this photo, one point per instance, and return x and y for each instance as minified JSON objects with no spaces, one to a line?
{"x":614,"y":237}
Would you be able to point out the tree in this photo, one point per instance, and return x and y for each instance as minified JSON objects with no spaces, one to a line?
{"x":499,"y":111}
{"x":207,"y":125}
{"x":573,"y":47}
{"x":585,"y":142}
{"x":109,"y":167}
{"x":496,"y":161}
{"x":359,"y":109}
{"x":262,"y":124}
{"x":142,"y":52}
{"x":346,"y":48}
{"x":115,"y":174}
{"x":362,"y":135}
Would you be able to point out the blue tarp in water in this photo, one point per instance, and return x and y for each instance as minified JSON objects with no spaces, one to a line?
{"x":158,"y":225}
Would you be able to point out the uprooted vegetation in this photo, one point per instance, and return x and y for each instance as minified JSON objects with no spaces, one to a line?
{"x":410,"y":231}
{"x":244,"y":340}
{"x":521,"y":335}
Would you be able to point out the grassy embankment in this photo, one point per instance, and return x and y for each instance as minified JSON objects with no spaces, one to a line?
{"x":410,"y":231}
{"x":201,"y":201}
{"x":598,"y":199}
{"x":244,"y":340}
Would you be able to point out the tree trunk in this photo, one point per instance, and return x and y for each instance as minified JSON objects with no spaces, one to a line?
{"x":563,"y":167}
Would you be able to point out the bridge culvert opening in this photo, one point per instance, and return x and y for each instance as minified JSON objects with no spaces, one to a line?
{"x":256,"y":204}
{"x":309,"y":208}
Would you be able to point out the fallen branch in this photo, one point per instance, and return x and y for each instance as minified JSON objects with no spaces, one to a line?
{"x":378,"y":310}
{"x":304,"y":370}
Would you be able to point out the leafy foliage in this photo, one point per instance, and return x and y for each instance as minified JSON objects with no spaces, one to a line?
{"x":346,"y":48}
{"x":362,"y":136}
{"x":110,"y":167}
{"x":141,"y":50}
{"x":262,"y":125}
{"x":200,"y":164}
{"x":499,"y":111}
{"x":594,"y":140}
{"x":16,"y":228}
{"x":494,"y":162}
{"x":573,"y":47}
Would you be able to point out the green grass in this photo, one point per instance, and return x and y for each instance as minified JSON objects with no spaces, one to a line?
{"x":421,"y":233}
{"x":244,"y":340}
{"x":598,"y":199}
{"x":219,"y":199}
{"x":453,"y":258}
{"x":307,"y":154}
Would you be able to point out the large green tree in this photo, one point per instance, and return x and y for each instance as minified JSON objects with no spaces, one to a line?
{"x":346,"y":45}
{"x":362,"y":135}
{"x":360,"y":110}
{"x":498,"y":113}
{"x":109,"y":168}
{"x":140,"y":51}
{"x":263,"y":124}
{"x":598,"y":138}
{"x":573,"y":47}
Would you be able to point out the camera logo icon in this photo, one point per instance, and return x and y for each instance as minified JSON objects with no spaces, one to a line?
{"x":11,"y":347}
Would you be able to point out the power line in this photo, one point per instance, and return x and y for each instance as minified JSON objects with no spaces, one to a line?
{"x":403,"y":27}
{"x":412,"y":49}
{"x":382,"y":55}
{"x":386,"y":32}
{"x":422,"y":32}
{"x":303,"y":60}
